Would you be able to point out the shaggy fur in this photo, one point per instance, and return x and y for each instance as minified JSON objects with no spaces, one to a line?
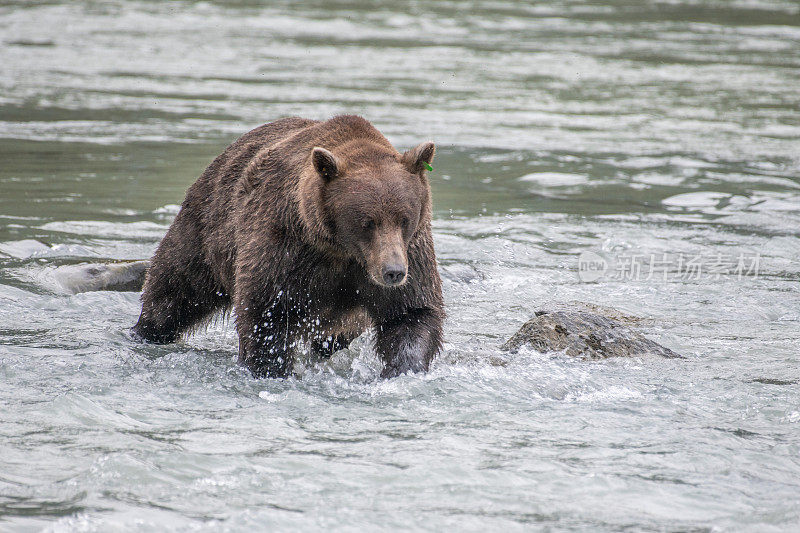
{"x":312,"y":232}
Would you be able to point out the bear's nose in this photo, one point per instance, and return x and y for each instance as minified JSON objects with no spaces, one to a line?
{"x":392,"y":275}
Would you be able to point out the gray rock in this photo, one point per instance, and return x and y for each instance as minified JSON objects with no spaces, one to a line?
{"x":585,"y":335}
{"x":123,"y":276}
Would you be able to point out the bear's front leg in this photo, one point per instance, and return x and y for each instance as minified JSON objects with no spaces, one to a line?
{"x":329,"y":346}
{"x":409,"y":342}
{"x":266,"y":341}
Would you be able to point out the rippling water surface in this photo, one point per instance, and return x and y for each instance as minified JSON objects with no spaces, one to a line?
{"x":626,"y":128}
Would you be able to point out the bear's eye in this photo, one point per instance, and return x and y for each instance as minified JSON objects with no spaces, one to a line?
{"x":404,"y":222}
{"x":369,"y":225}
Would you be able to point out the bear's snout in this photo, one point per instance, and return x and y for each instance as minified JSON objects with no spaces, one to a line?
{"x":389,"y":270}
{"x":394,"y":274}
{"x":386,"y":259}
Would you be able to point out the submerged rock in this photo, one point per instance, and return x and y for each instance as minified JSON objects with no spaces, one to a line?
{"x":23,"y":249}
{"x":460,"y":272}
{"x":124,"y":276}
{"x":583,"y":334}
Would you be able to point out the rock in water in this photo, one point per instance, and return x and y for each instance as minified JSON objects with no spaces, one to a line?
{"x":584,"y":335}
{"x":125,"y":276}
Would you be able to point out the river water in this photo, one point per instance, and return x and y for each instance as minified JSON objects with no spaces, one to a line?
{"x":651,"y":137}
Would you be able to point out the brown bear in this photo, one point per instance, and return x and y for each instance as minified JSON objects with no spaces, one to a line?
{"x":311,"y":232}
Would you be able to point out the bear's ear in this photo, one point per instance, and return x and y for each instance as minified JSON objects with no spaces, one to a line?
{"x":325,"y":163}
{"x":419,"y":158}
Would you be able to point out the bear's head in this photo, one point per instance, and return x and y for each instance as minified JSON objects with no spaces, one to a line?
{"x":368,"y":201}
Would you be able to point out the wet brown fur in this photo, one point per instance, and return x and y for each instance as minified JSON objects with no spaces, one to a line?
{"x":296,"y":240}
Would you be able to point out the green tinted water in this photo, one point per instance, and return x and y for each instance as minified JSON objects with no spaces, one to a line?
{"x":629,"y":129}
